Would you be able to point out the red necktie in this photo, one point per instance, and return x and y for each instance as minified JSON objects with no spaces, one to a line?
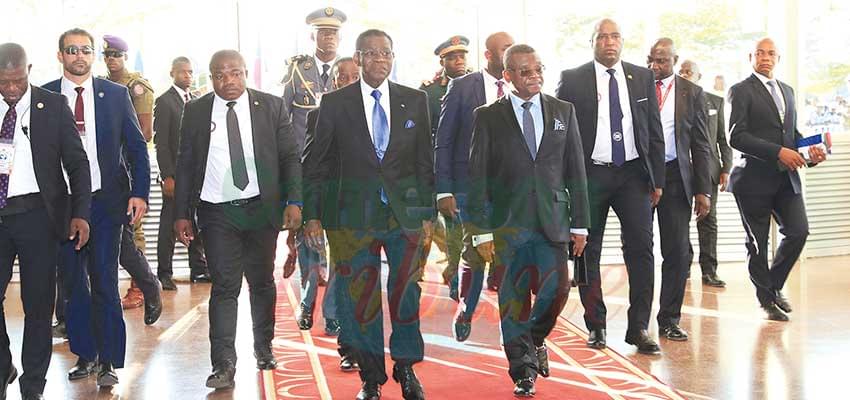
{"x":79,"y":111}
{"x":500,"y":92}
{"x":658,"y":93}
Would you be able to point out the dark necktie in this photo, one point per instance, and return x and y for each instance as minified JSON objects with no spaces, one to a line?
{"x":79,"y":111}
{"x":185,"y":98}
{"x":528,"y":129}
{"x":234,"y":144}
{"x":325,"y":68}
{"x":618,"y":149}
{"x":381,"y":132}
{"x":780,"y":106}
{"x":499,"y":91}
{"x":7,"y":132}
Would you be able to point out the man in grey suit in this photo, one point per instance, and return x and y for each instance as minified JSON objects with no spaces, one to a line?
{"x":720,"y":163}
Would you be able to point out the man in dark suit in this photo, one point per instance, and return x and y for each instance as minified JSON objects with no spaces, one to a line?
{"x":719,"y":165}
{"x":682,"y":111}
{"x":167,"y":112}
{"x":120,"y":171}
{"x":37,"y":211}
{"x":238,"y":166}
{"x":527,"y":201}
{"x":373,"y":139}
{"x":763,"y":127}
{"x":623,"y":143}
{"x":451,"y":157}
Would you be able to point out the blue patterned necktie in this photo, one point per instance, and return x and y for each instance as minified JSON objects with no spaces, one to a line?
{"x":7,"y":132}
{"x":528,"y":129}
{"x":380,"y":133}
{"x":618,"y":149}
{"x":780,"y":106}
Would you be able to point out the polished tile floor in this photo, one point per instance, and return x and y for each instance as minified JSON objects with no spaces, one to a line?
{"x":733,"y":352}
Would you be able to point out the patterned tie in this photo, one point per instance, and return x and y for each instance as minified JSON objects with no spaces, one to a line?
{"x":79,"y":111}
{"x":237,"y":154}
{"x":528,"y":129}
{"x":185,"y":98}
{"x":380,"y":132}
{"x":780,"y":106}
{"x":658,"y":85}
{"x":618,"y":149}
{"x":499,"y":91}
{"x":325,"y":68}
{"x":7,"y":132}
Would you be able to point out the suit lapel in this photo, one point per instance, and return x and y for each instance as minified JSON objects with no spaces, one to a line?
{"x":398,"y":117}
{"x":203,"y":139}
{"x":627,"y":71}
{"x":37,"y":119}
{"x":357,"y":115}
{"x":789,"y":105}
{"x":593,"y":98}
{"x":507,"y":111}
{"x":101,"y":106}
{"x":548,"y":124}
{"x":261,"y":133}
{"x":681,"y":108}
{"x":762,"y":91}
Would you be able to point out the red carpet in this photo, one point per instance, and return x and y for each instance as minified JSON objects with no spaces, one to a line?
{"x":475,"y":369}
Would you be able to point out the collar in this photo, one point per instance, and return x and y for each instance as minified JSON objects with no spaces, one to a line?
{"x":490,"y":79}
{"x":182,"y":92}
{"x":602,"y":70}
{"x":88,"y":84}
{"x":517,"y":102}
{"x":241,"y":101}
{"x":366,"y":90}
{"x":764,"y":80}
{"x":666,"y":82}
{"x":23,"y":102}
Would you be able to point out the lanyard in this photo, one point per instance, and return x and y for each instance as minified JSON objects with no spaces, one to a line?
{"x":667,"y":93}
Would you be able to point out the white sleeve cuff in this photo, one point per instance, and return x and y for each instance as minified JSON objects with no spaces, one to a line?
{"x":441,"y":196}
{"x":579,"y":231}
{"x":481,"y":239}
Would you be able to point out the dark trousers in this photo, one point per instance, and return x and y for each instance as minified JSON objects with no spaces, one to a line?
{"x":625,"y":189}
{"x":707,"y":229}
{"x":674,"y":217}
{"x":530,"y":260}
{"x":136,"y":264}
{"x":93,"y":316}
{"x":359,"y":297}
{"x":240,"y":241}
{"x":165,"y":245}
{"x":789,"y":211}
{"x":311,"y":263}
{"x":31,"y":237}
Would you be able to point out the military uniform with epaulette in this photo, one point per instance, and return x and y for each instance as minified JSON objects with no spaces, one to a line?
{"x":303,"y":88}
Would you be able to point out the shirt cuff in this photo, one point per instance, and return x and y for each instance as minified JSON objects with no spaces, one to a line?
{"x":441,"y":196}
{"x":300,"y":204}
{"x":579,"y":231}
{"x":481,"y":239}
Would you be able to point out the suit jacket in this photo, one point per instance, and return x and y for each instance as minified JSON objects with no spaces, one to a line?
{"x":758,"y":133}
{"x":168,"y":109}
{"x":342,"y":151}
{"x":507,"y":186}
{"x":329,"y":188}
{"x":692,"y":150}
{"x":451,"y":154}
{"x":578,"y":86}
{"x":55,"y":144}
{"x":720,"y":160}
{"x":118,"y":138}
{"x":275,"y":152}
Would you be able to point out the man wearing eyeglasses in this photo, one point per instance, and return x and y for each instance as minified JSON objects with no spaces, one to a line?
{"x":620,"y":125}
{"x":120,"y":172}
{"x":385,"y":202}
{"x":527,"y":201}
{"x":239,"y":173}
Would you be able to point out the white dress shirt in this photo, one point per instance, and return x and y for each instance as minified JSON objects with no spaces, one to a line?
{"x":602,"y":146}
{"x":369,"y":104}
{"x":218,"y":184}
{"x":668,"y":116}
{"x":764,"y":80}
{"x":183,"y":94}
{"x":90,"y":138}
{"x":22,"y":179}
{"x":491,"y":89}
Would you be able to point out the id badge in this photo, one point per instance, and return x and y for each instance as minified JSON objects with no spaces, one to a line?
{"x":7,"y":156}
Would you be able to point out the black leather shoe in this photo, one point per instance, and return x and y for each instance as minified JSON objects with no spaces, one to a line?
{"x":596,"y":339}
{"x":369,"y":391}
{"x":222,"y":376}
{"x":712,"y":280}
{"x":411,"y":389}
{"x":774,"y":313}
{"x":59,"y":331}
{"x":305,"y":318}
{"x":265,"y":360}
{"x":81,"y":370}
{"x":781,"y":301}
{"x":32,"y":396}
{"x":4,"y":384}
{"x":347,"y":363}
{"x":673,"y":332}
{"x":644,"y":343}
{"x":462,"y":327}
{"x":107,"y":376}
{"x":153,"y":309}
{"x":332,"y":327}
{"x":167,"y":284}
{"x":200,"y":278}
{"x":543,"y":361}
{"x":524,"y":387}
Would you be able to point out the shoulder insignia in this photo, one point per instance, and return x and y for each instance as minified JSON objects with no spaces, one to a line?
{"x":137,"y":89}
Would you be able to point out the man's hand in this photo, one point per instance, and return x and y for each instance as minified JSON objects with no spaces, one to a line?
{"x":724,"y":180}
{"x":702,"y":205}
{"x":816,"y":154}
{"x":791,"y":158}
{"x":487,"y":251}
{"x":79,"y":229}
{"x":447,"y":206}
{"x":313,"y":235}
{"x":292,"y":217}
{"x":655,"y":196}
{"x":136,"y":209}
{"x":579,"y":242}
{"x":168,"y":187}
{"x":183,"y":231}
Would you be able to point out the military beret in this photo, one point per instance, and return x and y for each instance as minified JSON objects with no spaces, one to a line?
{"x":327,"y":17}
{"x":455,"y":43}
{"x":114,"y":43}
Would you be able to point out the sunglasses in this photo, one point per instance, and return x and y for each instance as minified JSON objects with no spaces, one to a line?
{"x":74,"y":50}
{"x":113,"y":54}
{"x":525,"y":73}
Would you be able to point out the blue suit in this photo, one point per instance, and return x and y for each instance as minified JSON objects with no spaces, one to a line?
{"x":94,"y":320}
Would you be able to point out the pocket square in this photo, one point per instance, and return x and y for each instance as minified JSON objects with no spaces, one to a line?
{"x":409,"y":124}
{"x":559,"y":126}
{"x":641,"y":100}
{"x":712,"y":112}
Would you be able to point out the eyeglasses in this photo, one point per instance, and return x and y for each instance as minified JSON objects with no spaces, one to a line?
{"x":372,"y":53}
{"x":236,"y":74}
{"x":525,"y":73}
{"x":113,"y":54}
{"x":74,"y":50}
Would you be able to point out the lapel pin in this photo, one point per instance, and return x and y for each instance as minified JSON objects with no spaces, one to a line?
{"x":402,"y":105}
{"x":256,"y":103}
{"x":409,"y":124}
{"x":39,"y":106}
{"x":212,"y":126}
{"x":629,"y":76}
{"x":100,"y":94}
